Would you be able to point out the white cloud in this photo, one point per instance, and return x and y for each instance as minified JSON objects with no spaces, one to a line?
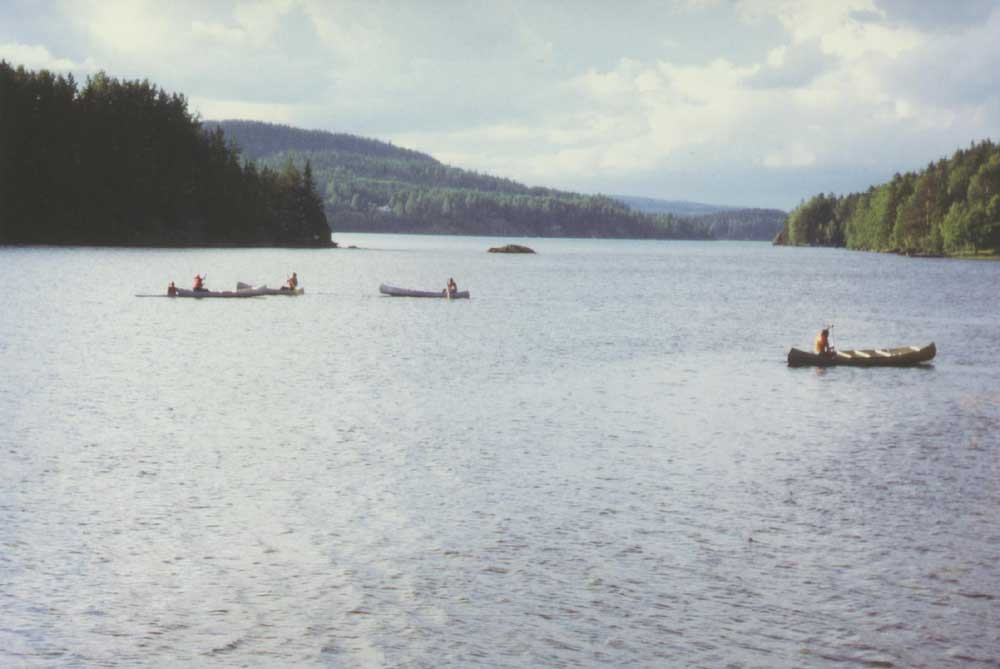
{"x":219,"y":34}
{"x":794,"y":155}
{"x":213,"y":109}
{"x":600,"y":95}
{"x":38,"y":57}
{"x":127,"y":26}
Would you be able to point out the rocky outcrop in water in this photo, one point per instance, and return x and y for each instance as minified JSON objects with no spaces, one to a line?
{"x":511,"y":248}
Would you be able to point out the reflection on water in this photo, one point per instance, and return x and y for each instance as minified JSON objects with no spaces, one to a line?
{"x":601,"y":458}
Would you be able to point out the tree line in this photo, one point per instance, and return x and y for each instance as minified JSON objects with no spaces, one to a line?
{"x":125,"y":163}
{"x":950,"y":208}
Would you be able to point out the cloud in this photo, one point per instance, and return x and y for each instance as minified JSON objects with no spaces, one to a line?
{"x":219,"y":110}
{"x":953,"y":69}
{"x":665,"y":96}
{"x":38,"y":57}
{"x":796,"y":154}
{"x":793,"y":66}
{"x":936,"y":16}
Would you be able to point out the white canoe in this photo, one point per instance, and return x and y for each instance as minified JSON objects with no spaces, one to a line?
{"x":393,"y":291}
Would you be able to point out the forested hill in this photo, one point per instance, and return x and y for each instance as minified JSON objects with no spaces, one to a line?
{"x":258,"y":140}
{"x":950,"y":208}
{"x":652,"y":205}
{"x":124,"y":162}
{"x":376,"y":187}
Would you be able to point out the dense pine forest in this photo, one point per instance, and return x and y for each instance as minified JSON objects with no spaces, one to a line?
{"x":125,"y":163}
{"x":950,"y":208}
{"x":376,"y":187}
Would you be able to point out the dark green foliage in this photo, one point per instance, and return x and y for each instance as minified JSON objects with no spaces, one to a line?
{"x":123,"y":162}
{"x":951,"y":207}
{"x":375,"y":187}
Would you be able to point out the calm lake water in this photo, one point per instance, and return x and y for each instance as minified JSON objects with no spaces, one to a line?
{"x":599,"y":459}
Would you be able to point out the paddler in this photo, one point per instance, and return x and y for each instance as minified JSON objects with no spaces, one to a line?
{"x":171,"y":290}
{"x":823,"y":342}
{"x":199,"y":282}
{"x":452,"y":287}
{"x":293,"y":281}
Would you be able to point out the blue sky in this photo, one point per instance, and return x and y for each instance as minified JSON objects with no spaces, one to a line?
{"x":748,"y":102}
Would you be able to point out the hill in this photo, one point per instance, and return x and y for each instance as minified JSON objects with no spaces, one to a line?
{"x":373,"y":186}
{"x":651,"y":205}
{"x":258,"y":140}
{"x":950,"y":208}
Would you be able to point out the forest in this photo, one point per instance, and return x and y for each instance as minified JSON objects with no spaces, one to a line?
{"x":371,"y":186}
{"x":118,"y":162}
{"x":950,"y":208}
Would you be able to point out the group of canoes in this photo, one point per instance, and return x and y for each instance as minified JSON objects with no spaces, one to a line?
{"x":824,"y":355}
{"x":198,"y":289}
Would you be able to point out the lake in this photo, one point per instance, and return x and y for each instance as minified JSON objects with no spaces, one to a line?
{"x":600,"y":459}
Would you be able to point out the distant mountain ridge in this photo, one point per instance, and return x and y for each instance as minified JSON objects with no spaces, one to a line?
{"x":652,"y":205}
{"x":257,"y":140}
{"x":372,"y":186}
{"x":724,"y":222}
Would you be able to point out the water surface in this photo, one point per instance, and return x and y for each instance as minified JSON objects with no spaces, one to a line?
{"x":599,"y":459}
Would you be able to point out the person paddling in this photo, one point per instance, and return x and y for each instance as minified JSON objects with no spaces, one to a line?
{"x":171,"y":290}
{"x":823,"y":342}
{"x":199,"y":282}
{"x":452,"y":287}
{"x":293,"y":281}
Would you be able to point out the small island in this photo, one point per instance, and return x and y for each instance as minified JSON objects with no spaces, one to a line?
{"x":511,"y":248}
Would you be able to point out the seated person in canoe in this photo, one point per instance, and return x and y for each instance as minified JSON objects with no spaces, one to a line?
{"x":823,"y":342}
{"x":199,"y":283}
{"x":172,"y":290}
{"x":292,"y":283}
{"x":452,"y":287}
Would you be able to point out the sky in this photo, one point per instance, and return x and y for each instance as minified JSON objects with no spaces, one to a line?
{"x":757,"y":103}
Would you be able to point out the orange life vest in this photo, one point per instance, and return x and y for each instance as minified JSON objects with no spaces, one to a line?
{"x":822,"y":342}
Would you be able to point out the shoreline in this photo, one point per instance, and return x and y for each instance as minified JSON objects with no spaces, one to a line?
{"x":110,"y":245}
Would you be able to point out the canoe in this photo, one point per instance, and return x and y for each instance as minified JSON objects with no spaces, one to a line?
{"x":264,"y":290}
{"x":393,"y":291}
{"x":903,"y":356}
{"x":181,"y":292}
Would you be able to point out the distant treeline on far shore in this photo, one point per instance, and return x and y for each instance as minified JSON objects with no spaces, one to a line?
{"x":950,"y":208}
{"x":125,"y":163}
{"x":373,"y":186}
